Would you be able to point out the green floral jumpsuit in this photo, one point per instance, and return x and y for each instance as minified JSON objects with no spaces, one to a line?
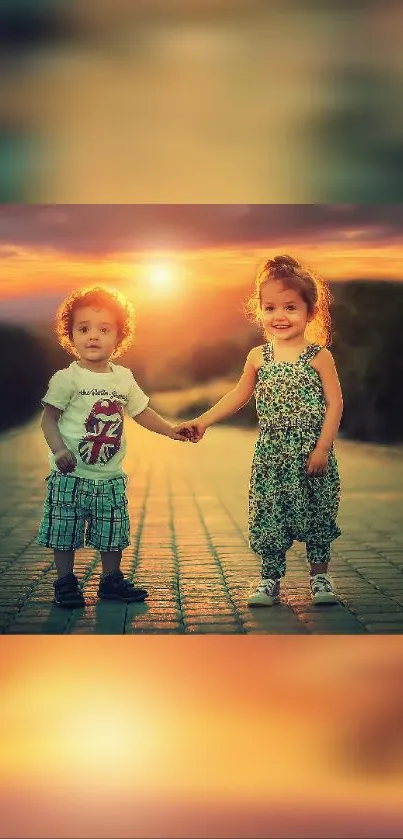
{"x":285,"y":503}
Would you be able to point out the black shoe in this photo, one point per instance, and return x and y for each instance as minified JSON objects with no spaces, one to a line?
{"x":68,"y":593}
{"x":115,"y":587}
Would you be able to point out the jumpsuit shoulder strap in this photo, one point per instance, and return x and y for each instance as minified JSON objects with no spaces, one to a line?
{"x":267,"y":351}
{"x":309,"y":352}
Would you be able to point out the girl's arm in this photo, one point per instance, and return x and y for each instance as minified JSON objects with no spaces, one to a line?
{"x":153,"y":422}
{"x":318,"y":459}
{"x":231,"y":401}
{"x":333,"y":397}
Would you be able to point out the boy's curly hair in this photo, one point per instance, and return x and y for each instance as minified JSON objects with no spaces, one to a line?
{"x":313,"y":290}
{"x":98,"y":297}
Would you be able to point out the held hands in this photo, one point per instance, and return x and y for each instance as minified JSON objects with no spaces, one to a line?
{"x":179,"y":433}
{"x":191,"y":431}
{"x":65,"y":461}
{"x":317,"y":462}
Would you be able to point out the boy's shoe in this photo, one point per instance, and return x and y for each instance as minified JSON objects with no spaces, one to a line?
{"x":114,"y":586}
{"x":322,"y":590}
{"x":266,"y":594}
{"x":68,"y":593}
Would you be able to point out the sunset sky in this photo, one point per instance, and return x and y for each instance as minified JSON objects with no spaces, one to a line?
{"x":47,"y":250}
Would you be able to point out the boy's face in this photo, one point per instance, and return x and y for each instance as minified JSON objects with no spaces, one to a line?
{"x":95,"y":336}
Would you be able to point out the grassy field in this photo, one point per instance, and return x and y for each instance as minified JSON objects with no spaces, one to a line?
{"x":189,"y":402}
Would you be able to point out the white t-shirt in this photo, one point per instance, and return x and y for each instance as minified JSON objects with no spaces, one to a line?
{"x":91,"y":424}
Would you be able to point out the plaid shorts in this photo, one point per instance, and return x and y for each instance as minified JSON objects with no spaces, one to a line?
{"x":78,"y":511}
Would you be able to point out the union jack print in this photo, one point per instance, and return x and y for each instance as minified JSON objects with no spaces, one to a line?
{"x":104,"y":426}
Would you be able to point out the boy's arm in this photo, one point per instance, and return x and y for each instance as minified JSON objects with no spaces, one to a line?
{"x":153,"y":422}
{"x":55,"y":401}
{"x":138,"y":409}
{"x":64,"y":458}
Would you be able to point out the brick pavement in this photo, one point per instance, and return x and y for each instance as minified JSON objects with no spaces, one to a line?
{"x":189,"y":544}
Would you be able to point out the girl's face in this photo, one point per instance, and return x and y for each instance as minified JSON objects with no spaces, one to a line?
{"x":284,"y":312}
{"x":95,"y":336}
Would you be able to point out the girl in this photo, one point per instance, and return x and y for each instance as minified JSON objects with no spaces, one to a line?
{"x":83,"y":425}
{"x":294,"y":487}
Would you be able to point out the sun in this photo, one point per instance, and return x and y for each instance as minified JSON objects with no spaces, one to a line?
{"x":161,"y":275}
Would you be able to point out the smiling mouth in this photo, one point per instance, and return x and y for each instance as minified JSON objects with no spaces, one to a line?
{"x":281,"y":327}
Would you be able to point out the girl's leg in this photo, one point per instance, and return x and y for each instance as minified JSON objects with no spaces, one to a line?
{"x":322,"y":590}
{"x":318,"y":557}
{"x":273,"y":565}
{"x":64,"y":561}
{"x":268,"y":590}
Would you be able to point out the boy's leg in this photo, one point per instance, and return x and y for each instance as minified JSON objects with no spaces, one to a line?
{"x":268,"y":590}
{"x":113,"y":585}
{"x":67,"y":590}
{"x":109,"y":531}
{"x":64,"y":561}
{"x":318,"y":557}
{"x":110,"y":561}
{"x":62,"y":529}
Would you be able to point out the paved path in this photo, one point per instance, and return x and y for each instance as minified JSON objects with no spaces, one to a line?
{"x":189,"y":544}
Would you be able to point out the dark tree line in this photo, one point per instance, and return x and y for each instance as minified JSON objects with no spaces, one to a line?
{"x":367,"y":345}
{"x":24,"y":372}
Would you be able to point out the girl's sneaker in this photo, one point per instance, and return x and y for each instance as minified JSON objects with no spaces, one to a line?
{"x":68,"y":593}
{"x":266,"y":594}
{"x":322,"y":590}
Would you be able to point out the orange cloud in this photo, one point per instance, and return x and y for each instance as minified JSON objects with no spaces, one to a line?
{"x":28,"y":271}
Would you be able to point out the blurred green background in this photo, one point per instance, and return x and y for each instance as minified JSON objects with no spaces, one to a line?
{"x":209,"y":100}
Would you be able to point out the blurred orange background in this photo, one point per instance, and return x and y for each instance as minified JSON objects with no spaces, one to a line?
{"x":150,"y":737}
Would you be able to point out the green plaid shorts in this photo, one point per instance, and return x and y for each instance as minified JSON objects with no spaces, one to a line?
{"x":80,"y":512}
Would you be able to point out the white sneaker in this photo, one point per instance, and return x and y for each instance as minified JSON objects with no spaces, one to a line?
{"x":266,"y":594}
{"x":322,"y":590}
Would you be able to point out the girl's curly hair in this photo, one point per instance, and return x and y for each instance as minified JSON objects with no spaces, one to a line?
{"x":99,"y":297}
{"x":313,"y":290}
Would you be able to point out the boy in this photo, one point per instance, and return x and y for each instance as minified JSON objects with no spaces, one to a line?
{"x":83,"y":425}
